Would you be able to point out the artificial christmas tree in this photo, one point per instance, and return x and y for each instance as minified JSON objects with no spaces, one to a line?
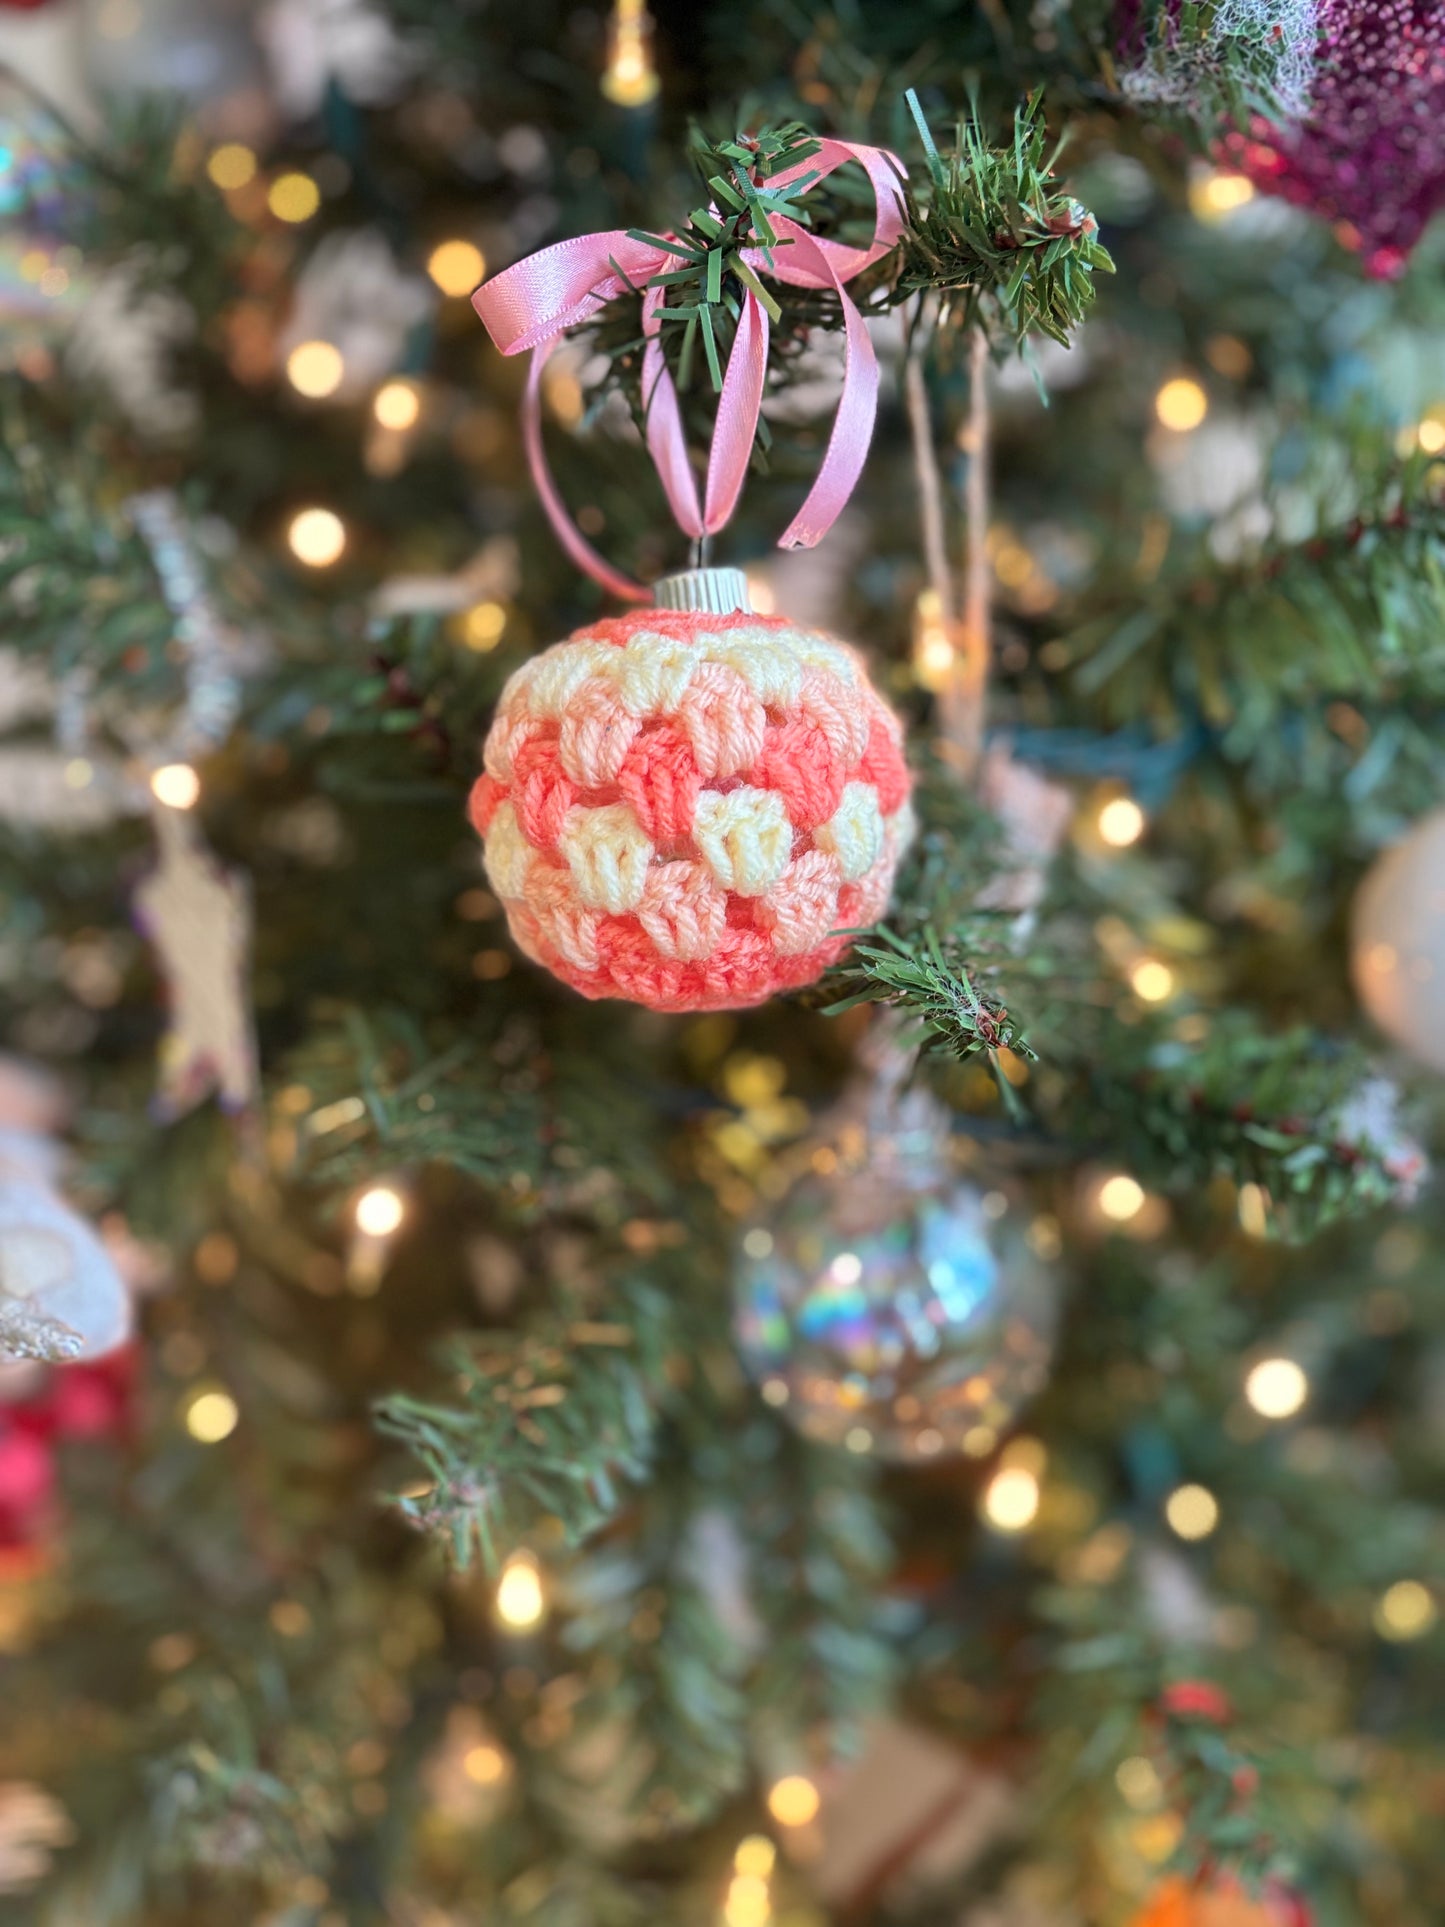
{"x":934,"y":1420}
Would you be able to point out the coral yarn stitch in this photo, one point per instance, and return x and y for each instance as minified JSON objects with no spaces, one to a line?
{"x":686,"y":810}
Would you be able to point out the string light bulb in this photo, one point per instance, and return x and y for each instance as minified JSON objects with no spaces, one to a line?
{"x":1192,"y":1511}
{"x":1121,"y":1197}
{"x":397,"y":405}
{"x":933,"y":651}
{"x":521,"y":1601}
{"x":482,"y":626}
{"x":484,"y":1764}
{"x":317,"y":537}
{"x":794,"y":1801}
{"x":176,"y":785}
{"x":1181,"y":404}
{"x":1121,"y":822}
{"x":379,"y":1211}
{"x":1406,"y":1611}
{"x":1152,"y":981}
{"x":755,"y":1855}
{"x":1215,"y":194}
{"x":1252,"y":1207}
{"x":629,"y":78}
{"x":232,"y":166}
{"x":212,"y":1416}
{"x":293,"y":198}
{"x":1276,"y":1388}
{"x":315,"y":369}
{"x":1011,"y":1498}
{"x":457,"y":267}
{"x":748,"y":1902}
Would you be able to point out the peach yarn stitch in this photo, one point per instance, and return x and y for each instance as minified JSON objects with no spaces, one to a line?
{"x":686,"y":810}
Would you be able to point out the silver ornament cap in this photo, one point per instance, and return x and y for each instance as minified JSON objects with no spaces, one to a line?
{"x":716,"y":592}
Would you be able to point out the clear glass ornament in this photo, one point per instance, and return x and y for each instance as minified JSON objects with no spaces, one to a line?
{"x":892,"y":1303}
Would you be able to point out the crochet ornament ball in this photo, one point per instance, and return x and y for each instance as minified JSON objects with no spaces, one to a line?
{"x":686,"y":808}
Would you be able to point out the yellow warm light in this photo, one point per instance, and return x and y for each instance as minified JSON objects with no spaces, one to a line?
{"x":629,"y":79}
{"x":1406,"y":1611}
{"x":1152,"y":981}
{"x":1139,"y":1782}
{"x":482,"y":626}
{"x":794,"y":1801}
{"x":380,"y":1211}
{"x":232,"y":166}
{"x":484,"y":1765}
{"x":1181,"y":404}
{"x":933,"y":651}
{"x":317,"y":537}
{"x":397,"y":405}
{"x":1276,"y":1388}
{"x":176,"y":785}
{"x":1216,"y":194}
{"x":211,"y":1417}
{"x":293,"y":197}
{"x":521,"y":1602}
{"x":1253,"y":1209}
{"x":1121,"y":822}
{"x":1121,"y":1197}
{"x":1192,"y":1511}
{"x":748,"y":1903}
{"x":315,"y":369}
{"x":1011,"y":1499}
{"x":456,"y":267}
{"x":1431,"y":436}
{"x":755,"y":1855}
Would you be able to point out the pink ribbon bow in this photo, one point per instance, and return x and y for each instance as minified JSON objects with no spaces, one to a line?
{"x":532,"y":305}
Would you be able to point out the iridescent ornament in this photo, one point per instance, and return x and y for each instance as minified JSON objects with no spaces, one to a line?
{"x":42,"y":284}
{"x":37,"y":173}
{"x":1398,"y":941}
{"x":893,"y":1304}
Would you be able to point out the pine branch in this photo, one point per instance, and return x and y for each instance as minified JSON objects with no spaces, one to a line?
{"x":1257,"y":1107}
{"x":645,"y":1611}
{"x":819,"y":1548}
{"x":1357,"y":611}
{"x":939,"y":956}
{"x":75,"y":577}
{"x":917,"y":975}
{"x":555,"y":1423}
{"x":995,"y":235}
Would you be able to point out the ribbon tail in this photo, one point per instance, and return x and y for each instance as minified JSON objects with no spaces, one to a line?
{"x":666,"y":442}
{"x":738,"y":409}
{"x":848,"y":443}
{"x":564,"y":528}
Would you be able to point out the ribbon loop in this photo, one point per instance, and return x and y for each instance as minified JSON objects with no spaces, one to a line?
{"x":531,"y":306}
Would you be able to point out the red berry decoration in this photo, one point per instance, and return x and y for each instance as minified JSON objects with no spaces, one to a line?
{"x":1197,"y":1699}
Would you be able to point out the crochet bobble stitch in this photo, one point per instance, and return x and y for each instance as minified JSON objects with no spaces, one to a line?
{"x":684,"y":809}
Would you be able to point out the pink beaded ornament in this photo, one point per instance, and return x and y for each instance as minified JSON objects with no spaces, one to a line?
{"x":1370,"y":153}
{"x":1362,"y":140}
{"x":690,"y":806}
